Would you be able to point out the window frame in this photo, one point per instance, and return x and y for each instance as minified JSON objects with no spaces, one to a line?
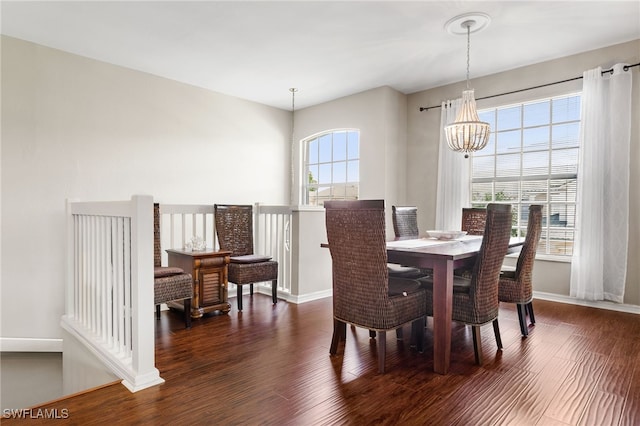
{"x":310,"y":183}
{"x":551,"y":230}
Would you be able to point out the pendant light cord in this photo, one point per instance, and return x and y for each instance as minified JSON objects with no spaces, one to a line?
{"x":293,"y":91}
{"x":468,"y":24}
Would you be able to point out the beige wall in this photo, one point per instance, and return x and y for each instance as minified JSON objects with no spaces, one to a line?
{"x":423,"y":134}
{"x":380,"y":115}
{"x":73,"y":127}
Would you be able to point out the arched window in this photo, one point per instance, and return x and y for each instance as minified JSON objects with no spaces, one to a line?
{"x":331,"y":166}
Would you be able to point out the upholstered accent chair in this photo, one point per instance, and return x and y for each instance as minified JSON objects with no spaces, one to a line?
{"x":234,"y":227}
{"x":475,"y":300}
{"x":169,"y":283}
{"x":363,"y":293}
{"x":515,"y":285}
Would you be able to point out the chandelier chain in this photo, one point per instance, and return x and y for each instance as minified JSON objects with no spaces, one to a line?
{"x":468,"y":51}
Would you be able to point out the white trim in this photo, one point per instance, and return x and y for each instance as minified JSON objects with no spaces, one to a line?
{"x":28,"y":344}
{"x":600,"y":304}
{"x":132,"y":380}
{"x":303,"y":298}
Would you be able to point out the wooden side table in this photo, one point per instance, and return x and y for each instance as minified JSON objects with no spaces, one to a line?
{"x":208,"y":268}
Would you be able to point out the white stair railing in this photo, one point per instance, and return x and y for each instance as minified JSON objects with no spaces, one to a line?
{"x":109,"y":292}
{"x":272,"y":229}
{"x":181,"y":222}
{"x":272,"y":234}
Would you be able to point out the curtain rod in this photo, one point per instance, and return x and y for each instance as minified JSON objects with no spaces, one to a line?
{"x":625,"y":68}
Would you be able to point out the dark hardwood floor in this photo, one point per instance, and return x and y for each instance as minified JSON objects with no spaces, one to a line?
{"x":271,"y":365}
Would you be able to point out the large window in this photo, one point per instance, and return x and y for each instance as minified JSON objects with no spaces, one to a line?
{"x":332,"y":166}
{"x":532,"y":158}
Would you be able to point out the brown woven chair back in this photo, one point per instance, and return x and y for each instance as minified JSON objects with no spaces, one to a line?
{"x":356,"y":236}
{"x":518,"y":288}
{"x":234,"y":227}
{"x":528,"y":252}
{"x":473,"y":220}
{"x":486,"y":271}
{"x":405,"y":221}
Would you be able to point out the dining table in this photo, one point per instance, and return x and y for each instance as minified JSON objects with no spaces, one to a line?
{"x":443,"y":257}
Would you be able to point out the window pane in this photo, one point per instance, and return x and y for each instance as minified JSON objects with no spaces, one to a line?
{"x":325,"y":148}
{"x":534,"y":191}
{"x":566,"y":109}
{"x":536,"y":138}
{"x":508,"y":118}
{"x":563,"y":190}
{"x":312,"y":150}
{"x":536,"y":114}
{"x":565,"y":135}
{"x":507,"y":191}
{"x":481,"y":193}
{"x":560,"y":242}
{"x":483,"y":166}
{"x":508,"y":142}
{"x":535,"y":163}
{"x":354,"y":144}
{"x":339,"y":146}
{"x":312,"y":174}
{"x":353,"y":171}
{"x":508,"y":165}
{"x":564,"y":161}
{"x":340,"y":172}
{"x":562,"y":215}
{"x":324,"y":173}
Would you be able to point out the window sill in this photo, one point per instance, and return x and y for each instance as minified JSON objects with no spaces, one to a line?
{"x":545,"y":257}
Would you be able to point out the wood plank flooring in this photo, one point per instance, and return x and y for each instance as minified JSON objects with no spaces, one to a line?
{"x":270,"y":365}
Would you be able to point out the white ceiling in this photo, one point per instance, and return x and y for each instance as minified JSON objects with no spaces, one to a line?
{"x":326,"y":49}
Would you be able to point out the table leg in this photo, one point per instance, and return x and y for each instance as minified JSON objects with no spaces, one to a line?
{"x":442,"y":309}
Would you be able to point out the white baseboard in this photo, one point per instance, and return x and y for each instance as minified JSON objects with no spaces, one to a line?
{"x":600,"y":304}
{"x":295,"y":299}
{"x":25,"y":344}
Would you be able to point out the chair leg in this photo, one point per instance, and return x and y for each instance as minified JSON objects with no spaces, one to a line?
{"x":251,"y":289}
{"x":339,"y":333}
{"x":157,"y":311}
{"x":496,"y":331}
{"x":477,"y":343}
{"x":399,"y":333}
{"x":239,"y":297}
{"x":417,"y":334}
{"x":532,"y":317}
{"x":372,"y":334}
{"x":522,"y":317}
{"x":382,"y":350}
{"x":274,"y":291}
{"x":187,"y":313}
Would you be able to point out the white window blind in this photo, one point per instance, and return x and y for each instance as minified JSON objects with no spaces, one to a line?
{"x":532,"y":158}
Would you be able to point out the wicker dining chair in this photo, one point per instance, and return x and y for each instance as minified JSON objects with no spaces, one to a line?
{"x":473,"y":220}
{"x":405,"y":221}
{"x":515,"y":285}
{"x":363,"y":293}
{"x":234,"y":227}
{"x":475,"y":300}
{"x":169,"y":283}
{"x":405,"y":225}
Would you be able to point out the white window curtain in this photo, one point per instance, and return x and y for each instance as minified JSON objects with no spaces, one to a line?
{"x":453,"y":175}
{"x":599,"y":262}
